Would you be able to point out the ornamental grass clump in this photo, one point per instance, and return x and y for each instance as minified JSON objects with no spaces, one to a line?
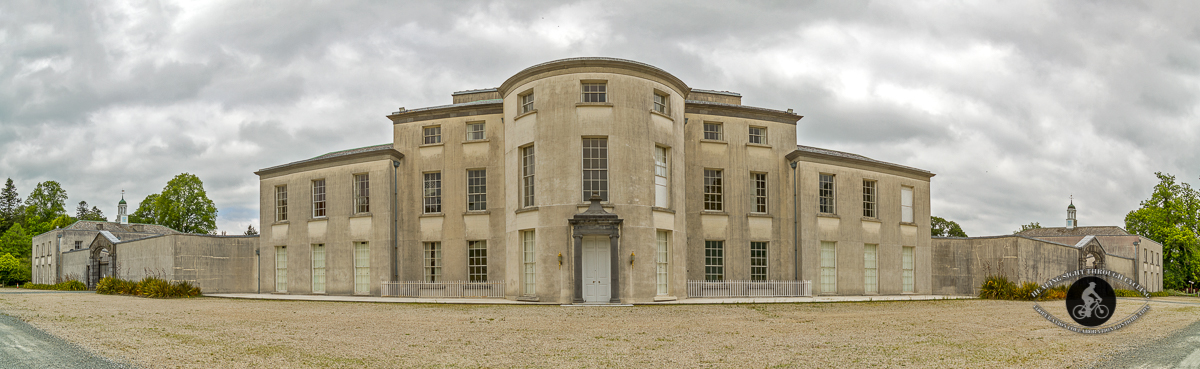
{"x":152,"y":287}
{"x":998,"y":287}
{"x":68,"y":285}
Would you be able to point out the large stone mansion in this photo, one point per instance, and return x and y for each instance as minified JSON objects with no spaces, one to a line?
{"x":684,"y":185}
{"x":587,"y":180}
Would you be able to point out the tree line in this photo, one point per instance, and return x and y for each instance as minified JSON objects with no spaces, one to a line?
{"x":183,"y":205}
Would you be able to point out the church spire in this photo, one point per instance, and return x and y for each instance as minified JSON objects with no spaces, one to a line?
{"x":121,"y":217}
{"x":1071,"y":222}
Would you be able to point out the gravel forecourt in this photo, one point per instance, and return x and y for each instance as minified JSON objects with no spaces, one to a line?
{"x":214,"y":332}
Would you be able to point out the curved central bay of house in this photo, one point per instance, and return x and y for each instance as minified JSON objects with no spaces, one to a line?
{"x":690,"y":193}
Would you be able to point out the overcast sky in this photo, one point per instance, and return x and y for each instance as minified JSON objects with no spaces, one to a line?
{"x":1015,"y":106}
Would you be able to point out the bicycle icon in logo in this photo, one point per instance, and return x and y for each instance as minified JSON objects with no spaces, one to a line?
{"x":1091,"y":304}
{"x":1091,"y":300}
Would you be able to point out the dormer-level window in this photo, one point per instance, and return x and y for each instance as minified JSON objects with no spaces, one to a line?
{"x":280,"y":203}
{"x":527,"y":103}
{"x":433,"y":135}
{"x":660,"y":103}
{"x":362,"y":193}
{"x":713,"y":131}
{"x":595,"y":92}
{"x":475,"y":131}
{"x":758,"y":135}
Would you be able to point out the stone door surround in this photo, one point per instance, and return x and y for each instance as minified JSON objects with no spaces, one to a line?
{"x":596,"y":221}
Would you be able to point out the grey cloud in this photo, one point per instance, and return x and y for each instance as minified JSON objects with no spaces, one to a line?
{"x":1083,"y":99}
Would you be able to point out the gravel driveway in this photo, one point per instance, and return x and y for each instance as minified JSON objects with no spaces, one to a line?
{"x":23,"y":346}
{"x":211,"y":332}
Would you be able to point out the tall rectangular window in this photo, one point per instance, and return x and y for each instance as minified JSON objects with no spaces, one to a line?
{"x":529,"y":263}
{"x":828,"y":267}
{"x":476,"y":190}
{"x":870,"y":269}
{"x":906,"y":204}
{"x":758,"y":135}
{"x":280,"y":203}
{"x":660,"y":103}
{"x":662,"y":192}
{"x":908,"y":268}
{"x":433,"y":262}
{"x":475,"y":131}
{"x":595,"y":167}
{"x":826,"y":194}
{"x":595,"y":92}
{"x":318,"y":268}
{"x":318,"y":198}
{"x":433,"y":193}
{"x":433,"y":135}
{"x":526,"y":103}
{"x":713,"y":131}
{"x":362,"y":193}
{"x":869,"y":198}
{"x":362,"y":268}
{"x":714,"y":260}
{"x":280,"y":268}
{"x":477,"y":261}
{"x":758,"y":204}
{"x":662,"y":262}
{"x":713,"y":190}
{"x":758,"y":261}
{"x":527,"y":171}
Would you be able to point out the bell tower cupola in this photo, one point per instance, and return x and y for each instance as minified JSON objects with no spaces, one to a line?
{"x":1071,"y":222}
{"x":121,"y":214}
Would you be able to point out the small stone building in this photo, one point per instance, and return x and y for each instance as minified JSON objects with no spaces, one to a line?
{"x":1036,"y":255}
{"x":90,"y":250}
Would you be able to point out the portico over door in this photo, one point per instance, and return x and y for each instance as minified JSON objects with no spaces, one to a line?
{"x":595,"y":263}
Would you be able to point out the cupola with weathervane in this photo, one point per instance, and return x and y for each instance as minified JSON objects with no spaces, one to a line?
{"x":121,"y":217}
{"x":1071,"y":222}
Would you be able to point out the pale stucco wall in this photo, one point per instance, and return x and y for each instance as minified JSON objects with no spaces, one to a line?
{"x":338,"y":230}
{"x":851,"y":231}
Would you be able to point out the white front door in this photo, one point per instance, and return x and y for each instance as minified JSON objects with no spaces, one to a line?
{"x":595,"y":270}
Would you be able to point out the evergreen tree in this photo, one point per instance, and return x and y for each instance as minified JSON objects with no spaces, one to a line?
{"x":83,"y":213}
{"x":10,"y":206}
{"x":251,"y":231}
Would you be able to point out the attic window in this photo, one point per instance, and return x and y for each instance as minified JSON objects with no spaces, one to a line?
{"x":100,"y":226}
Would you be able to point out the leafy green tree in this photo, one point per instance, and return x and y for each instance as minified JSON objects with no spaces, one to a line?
{"x":145,"y":211}
{"x":1026,"y":227}
{"x":44,"y":206}
{"x":10,"y":206}
{"x":83,"y":213}
{"x":183,"y":205}
{"x":945,"y":228}
{"x":9,"y":269}
{"x":17,"y":241}
{"x":251,"y":231}
{"x":1171,"y":217}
